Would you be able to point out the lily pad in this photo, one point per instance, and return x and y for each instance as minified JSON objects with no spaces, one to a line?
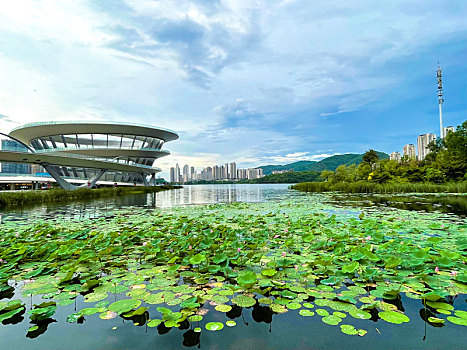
{"x":223,"y":308}
{"x":348,"y":329}
{"x":214,"y":326}
{"x":393,"y":317}
{"x":306,"y":313}
{"x":244,"y":301}
{"x":124,"y":305}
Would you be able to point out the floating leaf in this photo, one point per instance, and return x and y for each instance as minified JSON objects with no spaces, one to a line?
{"x":124,"y":305}
{"x":348,"y":329}
{"x":244,"y":301}
{"x":214,"y":326}
{"x":108,"y":315}
{"x":306,"y":313}
{"x":154,"y":323}
{"x":322,"y":312}
{"x":458,"y":320}
{"x":231,"y":323}
{"x":195,"y":318}
{"x":360,"y":314}
{"x":394,"y":317}
{"x":293,"y":306}
{"x":331,"y":320}
{"x":223,"y":308}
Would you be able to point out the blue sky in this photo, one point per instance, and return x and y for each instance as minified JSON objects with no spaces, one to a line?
{"x":257,"y":82}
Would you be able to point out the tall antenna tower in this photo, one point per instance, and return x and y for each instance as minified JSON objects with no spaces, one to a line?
{"x":439,"y":75}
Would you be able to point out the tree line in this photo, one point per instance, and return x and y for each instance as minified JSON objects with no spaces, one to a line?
{"x":446,"y":162}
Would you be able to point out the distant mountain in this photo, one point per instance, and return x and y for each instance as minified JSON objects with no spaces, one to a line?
{"x":330,"y":163}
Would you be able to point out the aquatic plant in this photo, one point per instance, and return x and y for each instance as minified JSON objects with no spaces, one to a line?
{"x":162,"y":268}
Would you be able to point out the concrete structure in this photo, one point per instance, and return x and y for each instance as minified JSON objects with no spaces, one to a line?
{"x":422,"y":145}
{"x":186,"y":173}
{"x":394,"y":156}
{"x":72,"y":152}
{"x":448,"y":129}
{"x":233,"y":170}
{"x":409,"y":151}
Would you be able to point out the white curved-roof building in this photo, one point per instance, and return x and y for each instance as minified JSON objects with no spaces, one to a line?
{"x":111,"y":151}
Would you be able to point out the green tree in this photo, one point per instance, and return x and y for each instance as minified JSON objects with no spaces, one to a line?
{"x":370,"y":157}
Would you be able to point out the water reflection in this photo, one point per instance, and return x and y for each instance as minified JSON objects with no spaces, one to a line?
{"x":188,"y":195}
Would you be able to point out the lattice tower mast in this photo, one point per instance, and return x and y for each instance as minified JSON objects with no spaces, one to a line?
{"x":439,"y":75}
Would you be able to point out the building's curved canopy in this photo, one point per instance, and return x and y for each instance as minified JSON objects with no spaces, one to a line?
{"x":31,"y":131}
{"x":121,"y":152}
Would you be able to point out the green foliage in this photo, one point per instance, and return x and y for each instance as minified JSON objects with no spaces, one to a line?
{"x":289,"y":177}
{"x":329,"y":163}
{"x":371,"y":187}
{"x":370,"y":157}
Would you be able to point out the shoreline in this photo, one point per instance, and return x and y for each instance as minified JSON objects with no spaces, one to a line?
{"x":17,"y":199}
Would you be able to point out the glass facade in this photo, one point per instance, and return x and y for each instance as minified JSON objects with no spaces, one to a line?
{"x":14,"y":168}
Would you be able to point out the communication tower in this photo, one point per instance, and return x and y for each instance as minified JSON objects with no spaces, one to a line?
{"x":439,"y":75}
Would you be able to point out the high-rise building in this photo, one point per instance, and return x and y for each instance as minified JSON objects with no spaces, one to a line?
{"x":222,"y":172}
{"x":422,"y":144}
{"x":192,"y":173}
{"x":186,"y":173}
{"x":14,"y":168}
{"x":395,"y":156}
{"x":254,"y":173}
{"x":209,"y":175}
{"x":216,"y":172}
{"x":226,"y":171}
{"x":233,"y":170}
{"x":177,"y":173}
{"x":409,"y":151}
{"x":172,"y":174}
{"x":448,"y":129}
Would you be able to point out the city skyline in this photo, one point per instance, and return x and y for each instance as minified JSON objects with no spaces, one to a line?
{"x":227,"y":171}
{"x":227,"y":77}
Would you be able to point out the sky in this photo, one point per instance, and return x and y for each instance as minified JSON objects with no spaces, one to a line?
{"x":256,"y":82}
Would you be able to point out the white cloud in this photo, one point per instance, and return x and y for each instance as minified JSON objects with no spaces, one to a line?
{"x":251,"y":81}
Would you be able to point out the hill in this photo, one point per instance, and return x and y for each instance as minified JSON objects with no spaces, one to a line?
{"x":330,"y":163}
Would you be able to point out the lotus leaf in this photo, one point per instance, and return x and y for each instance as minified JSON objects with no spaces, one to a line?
{"x":322,"y":312}
{"x":394,"y":317}
{"x":244,"y":301}
{"x":294,"y":306}
{"x":306,"y":313}
{"x":223,"y":308}
{"x":348,"y":329}
{"x":246,"y":278}
{"x":214,"y":326}
{"x":278,"y":308}
{"x":125,"y":305}
{"x":154,"y":323}
{"x":331,"y":320}
{"x":360,"y":314}
{"x":195,"y":318}
{"x":462,"y":321}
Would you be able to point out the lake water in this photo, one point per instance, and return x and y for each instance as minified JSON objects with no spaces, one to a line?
{"x":256,"y":328}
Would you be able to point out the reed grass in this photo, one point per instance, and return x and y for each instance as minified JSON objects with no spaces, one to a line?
{"x":11,"y":199}
{"x":369,"y":187}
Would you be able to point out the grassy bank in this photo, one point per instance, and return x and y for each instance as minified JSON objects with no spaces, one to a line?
{"x":368,"y":187}
{"x":26,"y":198}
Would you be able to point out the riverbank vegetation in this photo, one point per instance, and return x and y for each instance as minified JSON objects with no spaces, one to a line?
{"x":11,"y":199}
{"x":443,"y":170}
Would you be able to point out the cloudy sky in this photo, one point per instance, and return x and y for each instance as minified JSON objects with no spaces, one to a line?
{"x":253,"y":81}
